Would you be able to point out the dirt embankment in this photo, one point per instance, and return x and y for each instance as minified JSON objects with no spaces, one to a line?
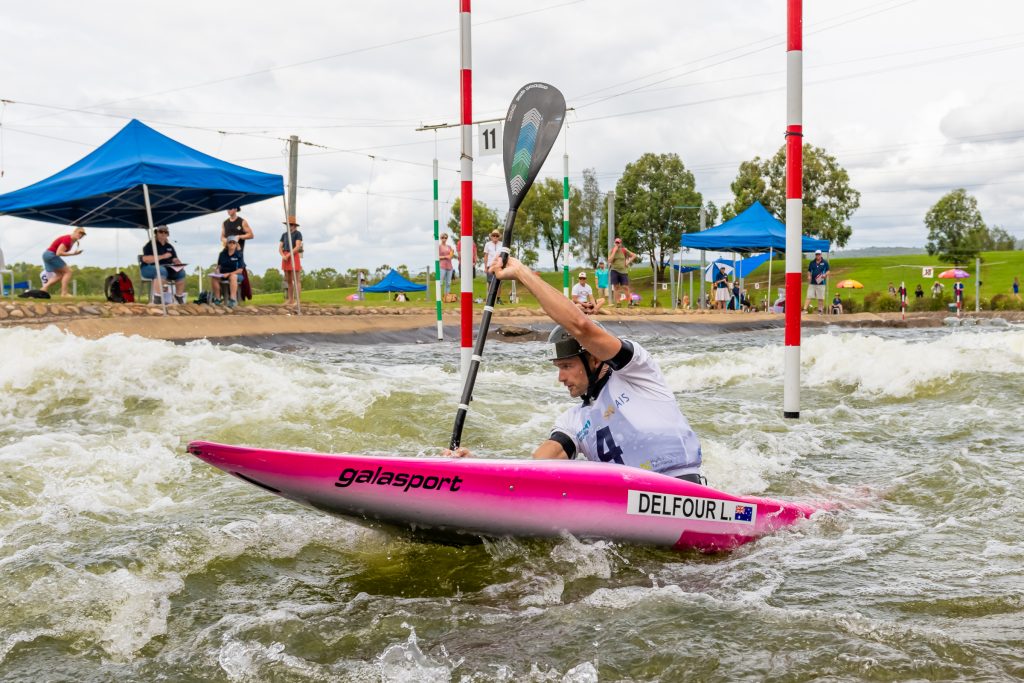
{"x":195,"y":321}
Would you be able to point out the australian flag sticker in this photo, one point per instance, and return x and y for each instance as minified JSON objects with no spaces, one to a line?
{"x":744,"y":513}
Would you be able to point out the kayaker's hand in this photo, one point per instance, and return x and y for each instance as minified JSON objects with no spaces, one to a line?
{"x":460,"y":452}
{"x":510,"y":271}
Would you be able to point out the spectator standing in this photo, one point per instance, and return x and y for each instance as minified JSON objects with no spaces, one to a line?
{"x":53,"y":259}
{"x":817,"y":280}
{"x":919,"y":292}
{"x":235,"y":226}
{"x":958,"y":294}
{"x":1016,"y":288}
{"x":172,"y":270}
{"x":492,"y":250}
{"x":230,"y":267}
{"x":602,"y":276}
{"x":619,"y":261}
{"x":721,"y":289}
{"x":290,"y":248}
{"x":444,"y":256}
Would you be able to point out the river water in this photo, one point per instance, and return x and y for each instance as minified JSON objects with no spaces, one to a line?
{"x":124,"y":558}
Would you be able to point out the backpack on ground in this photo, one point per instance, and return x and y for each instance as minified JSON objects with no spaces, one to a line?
{"x":119,"y":289}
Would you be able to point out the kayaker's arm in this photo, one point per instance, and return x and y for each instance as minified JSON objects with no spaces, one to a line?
{"x":550,"y":450}
{"x":599,"y":342}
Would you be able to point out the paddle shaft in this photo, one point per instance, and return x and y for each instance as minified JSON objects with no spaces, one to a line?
{"x":481,"y":338}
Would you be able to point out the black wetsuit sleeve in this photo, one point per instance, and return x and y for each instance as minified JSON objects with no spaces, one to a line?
{"x":565,"y":442}
{"x":622,"y":358}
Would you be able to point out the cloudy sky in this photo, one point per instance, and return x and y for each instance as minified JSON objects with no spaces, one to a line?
{"x":914,"y":97}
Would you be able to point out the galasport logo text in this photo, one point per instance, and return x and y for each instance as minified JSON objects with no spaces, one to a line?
{"x":382,"y":477}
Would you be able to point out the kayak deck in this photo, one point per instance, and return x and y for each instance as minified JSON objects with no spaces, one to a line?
{"x":533,"y":498}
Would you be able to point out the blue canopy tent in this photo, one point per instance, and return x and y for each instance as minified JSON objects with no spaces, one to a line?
{"x":138,"y":179}
{"x":106,"y":188}
{"x":754,"y":230}
{"x":394,"y":282}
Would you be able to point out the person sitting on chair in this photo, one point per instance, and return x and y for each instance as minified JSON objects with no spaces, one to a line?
{"x":230,"y":267}
{"x":171,"y":268}
{"x":837,"y":305}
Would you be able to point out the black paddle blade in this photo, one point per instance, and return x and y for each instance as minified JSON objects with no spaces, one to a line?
{"x":531,"y":128}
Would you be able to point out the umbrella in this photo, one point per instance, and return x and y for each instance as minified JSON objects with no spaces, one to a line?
{"x":954,"y":273}
{"x":711,"y":271}
{"x":850,"y":284}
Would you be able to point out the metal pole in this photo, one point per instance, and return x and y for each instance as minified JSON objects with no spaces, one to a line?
{"x":703,"y":222}
{"x":771,"y":297}
{"x":565,"y":226}
{"x":437,"y":260}
{"x":289,"y":208}
{"x":152,"y":241}
{"x":735,"y":277}
{"x":611,"y":243}
{"x":293,"y":172}
{"x":794,"y":206}
{"x":466,"y":263}
{"x":654,"y":279}
{"x":977,"y":284}
{"x":672,"y":278}
{"x":691,"y":289}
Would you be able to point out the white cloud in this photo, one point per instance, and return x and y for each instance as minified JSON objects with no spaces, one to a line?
{"x":900,"y":92}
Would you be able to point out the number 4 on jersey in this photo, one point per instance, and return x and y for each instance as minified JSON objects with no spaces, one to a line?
{"x":607,"y":451}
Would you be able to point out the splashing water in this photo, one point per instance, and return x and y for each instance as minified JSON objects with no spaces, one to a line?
{"x":124,"y":558}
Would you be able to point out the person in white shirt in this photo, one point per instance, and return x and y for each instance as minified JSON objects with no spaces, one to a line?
{"x":583,"y":296}
{"x":628,"y":415}
{"x":492,"y":251}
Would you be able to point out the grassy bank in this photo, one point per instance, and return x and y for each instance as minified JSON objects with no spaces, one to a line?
{"x":875,"y":273}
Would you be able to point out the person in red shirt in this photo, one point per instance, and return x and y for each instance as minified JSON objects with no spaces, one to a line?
{"x":53,"y":259}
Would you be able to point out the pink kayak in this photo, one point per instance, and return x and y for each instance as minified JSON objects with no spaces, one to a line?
{"x":543,"y":498}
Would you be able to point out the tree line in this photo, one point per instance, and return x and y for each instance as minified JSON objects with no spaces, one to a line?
{"x":657,"y":201}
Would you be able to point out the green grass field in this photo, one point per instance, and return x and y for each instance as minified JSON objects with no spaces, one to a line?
{"x":875,"y":273}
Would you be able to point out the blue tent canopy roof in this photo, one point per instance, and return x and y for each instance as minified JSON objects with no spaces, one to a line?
{"x":394,"y":282}
{"x":104,"y":189}
{"x":753,"y":230}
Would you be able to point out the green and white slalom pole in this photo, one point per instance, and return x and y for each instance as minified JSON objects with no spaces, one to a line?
{"x":565,"y":226}
{"x":437,"y":261}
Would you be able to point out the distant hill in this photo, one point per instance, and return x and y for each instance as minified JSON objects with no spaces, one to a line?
{"x":880,"y":251}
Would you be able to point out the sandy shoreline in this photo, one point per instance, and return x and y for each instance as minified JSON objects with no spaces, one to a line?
{"x":208,"y":322}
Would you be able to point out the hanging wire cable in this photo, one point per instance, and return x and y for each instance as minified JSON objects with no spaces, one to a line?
{"x":324,"y":58}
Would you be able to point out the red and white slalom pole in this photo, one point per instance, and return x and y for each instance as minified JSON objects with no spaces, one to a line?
{"x":466,"y":263}
{"x":794,"y":206}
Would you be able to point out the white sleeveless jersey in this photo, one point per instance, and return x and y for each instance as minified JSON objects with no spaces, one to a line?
{"x":634,"y":420}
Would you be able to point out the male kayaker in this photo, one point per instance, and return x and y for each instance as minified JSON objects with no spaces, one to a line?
{"x":628,"y":414}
